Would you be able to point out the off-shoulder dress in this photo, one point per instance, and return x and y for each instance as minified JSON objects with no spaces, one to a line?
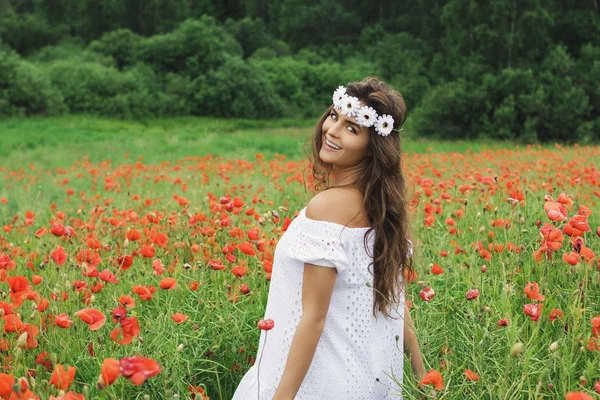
{"x":358,"y":356}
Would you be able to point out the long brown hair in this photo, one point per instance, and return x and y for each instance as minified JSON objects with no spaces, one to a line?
{"x":384,"y":191}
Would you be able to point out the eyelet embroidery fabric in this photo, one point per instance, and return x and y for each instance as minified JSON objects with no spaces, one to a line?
{"x":358,"y":356}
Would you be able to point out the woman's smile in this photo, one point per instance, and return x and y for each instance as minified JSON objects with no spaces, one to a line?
{"x":328,"y":146}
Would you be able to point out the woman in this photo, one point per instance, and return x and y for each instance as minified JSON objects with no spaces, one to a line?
{"x":336,"y":294}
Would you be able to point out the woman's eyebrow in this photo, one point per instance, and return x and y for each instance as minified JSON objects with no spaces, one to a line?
{"x":349,"y":120}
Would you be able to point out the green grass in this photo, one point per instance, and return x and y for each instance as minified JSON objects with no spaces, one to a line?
{"x":59,"y":141}
{"x":210,"y":354}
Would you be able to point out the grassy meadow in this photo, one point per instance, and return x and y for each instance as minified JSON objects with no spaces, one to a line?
{"x":171,"y":225}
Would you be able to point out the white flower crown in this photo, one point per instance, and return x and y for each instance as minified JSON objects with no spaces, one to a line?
{"x":365,"y":116}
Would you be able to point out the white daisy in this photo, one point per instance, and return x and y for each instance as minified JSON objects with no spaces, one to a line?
{"x":350,"y":105}
{"x":366,"y":116}
{"x":384,"y":125}
{"x":338,"y":95}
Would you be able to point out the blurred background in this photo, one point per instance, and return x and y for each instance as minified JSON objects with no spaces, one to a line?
{"x":526,"y":70}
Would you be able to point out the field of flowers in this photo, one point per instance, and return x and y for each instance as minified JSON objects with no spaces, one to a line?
{"x":135,"y":279}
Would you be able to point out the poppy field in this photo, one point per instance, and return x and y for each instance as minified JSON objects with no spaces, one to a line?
{"x":122,"y":278}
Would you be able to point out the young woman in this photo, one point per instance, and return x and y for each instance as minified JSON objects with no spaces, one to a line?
{"x":337,"y":288}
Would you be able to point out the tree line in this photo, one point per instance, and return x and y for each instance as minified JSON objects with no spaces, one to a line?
{"x":524,"y":70}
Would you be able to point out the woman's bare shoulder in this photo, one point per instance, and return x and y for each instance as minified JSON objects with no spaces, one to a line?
{"x":339,"y":205}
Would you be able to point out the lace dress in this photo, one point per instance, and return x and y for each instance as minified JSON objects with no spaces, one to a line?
{"x":358,"y":356}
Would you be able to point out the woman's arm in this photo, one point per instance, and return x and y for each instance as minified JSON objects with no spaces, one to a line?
{"x":317,"y":289}
{"x":411,"y":346}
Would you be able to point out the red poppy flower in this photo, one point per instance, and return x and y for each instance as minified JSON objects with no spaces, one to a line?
{"x":144,"y":292}
{"x":57,"y":229}
{"x":168,"y":283}
{"x":6,"y":385}
{"x":128,"y":329}
{"x":555,"y":313}
{"x":127,"y":301}
{"x":578,"y":396}
{"x":436,"y":269}
{"x":571,"y":258}
{"x":266,"y":324}
{"x":471,"y":376}
{"x":108,"y":276}
{"x":239,"y":271}
{"x":179,"y":317}
{"x":532,"y":290}
{"x":137,"y":368}
{"x":427,"y":294}
{"x":533,"y":311}
{"x":148,"y":251}
{"x":93,"y":317}
{"x":59,"y":255}
{"x":133,"y":235}
{"x":12,"y":323}
{"x":63,"y":321}
{"x":472,"y":294}
{"x":125,"y":262}
{"x":109,"y":372}
{"x":62,"y":379}
{"x":434,"y":378}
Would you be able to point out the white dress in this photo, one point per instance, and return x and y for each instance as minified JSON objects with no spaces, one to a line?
{"x":357,"y":354}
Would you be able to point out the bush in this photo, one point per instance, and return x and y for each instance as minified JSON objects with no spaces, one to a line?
{"x":400,"y":59}
{"x":307,"y":88}
{"x":511,"y":95}
{"x":28,"y":32}
{"x":136,"y":93}
{"x":194,"y":48}
{"x":236,"y":89}
{"x":70,"y":52}
{"x":122,"y":45}
{"x":25,"y":90}
{"x":250,"y":33}
{"x":565,"y":105}
{"x":451,"y":111}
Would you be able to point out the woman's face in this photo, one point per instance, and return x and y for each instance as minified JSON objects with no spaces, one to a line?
{"x":345,"y":133}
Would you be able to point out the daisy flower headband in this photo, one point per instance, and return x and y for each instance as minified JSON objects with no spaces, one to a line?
{"x":365,"y":116}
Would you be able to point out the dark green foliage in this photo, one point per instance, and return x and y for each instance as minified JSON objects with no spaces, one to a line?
{"x":194,"y":48}
{"x":524,"y":70}
{"x":94,"y":88}
{"x":122,"y":45}
{"x":236,"y":89}
{"x":250,"y":33}
{"x":25,"y":90}
{"x":28,"y":32}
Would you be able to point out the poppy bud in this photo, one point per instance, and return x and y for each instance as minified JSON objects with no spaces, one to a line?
{"x":180,"y":347}
{"x":516,"y":349}
{"x":553,"y":346}
{"x":266,"y":325}
{"x":478,"y":215}
{"x":22,"y":340}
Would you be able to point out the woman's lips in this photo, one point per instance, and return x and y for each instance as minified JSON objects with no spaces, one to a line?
{"x":327,"y":147}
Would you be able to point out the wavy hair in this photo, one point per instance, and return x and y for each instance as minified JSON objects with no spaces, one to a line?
{"x":382,"y":185}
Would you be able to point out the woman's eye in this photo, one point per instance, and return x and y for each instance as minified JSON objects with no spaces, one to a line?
{"x":351,"y":129}
{"x":333,"y":116}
